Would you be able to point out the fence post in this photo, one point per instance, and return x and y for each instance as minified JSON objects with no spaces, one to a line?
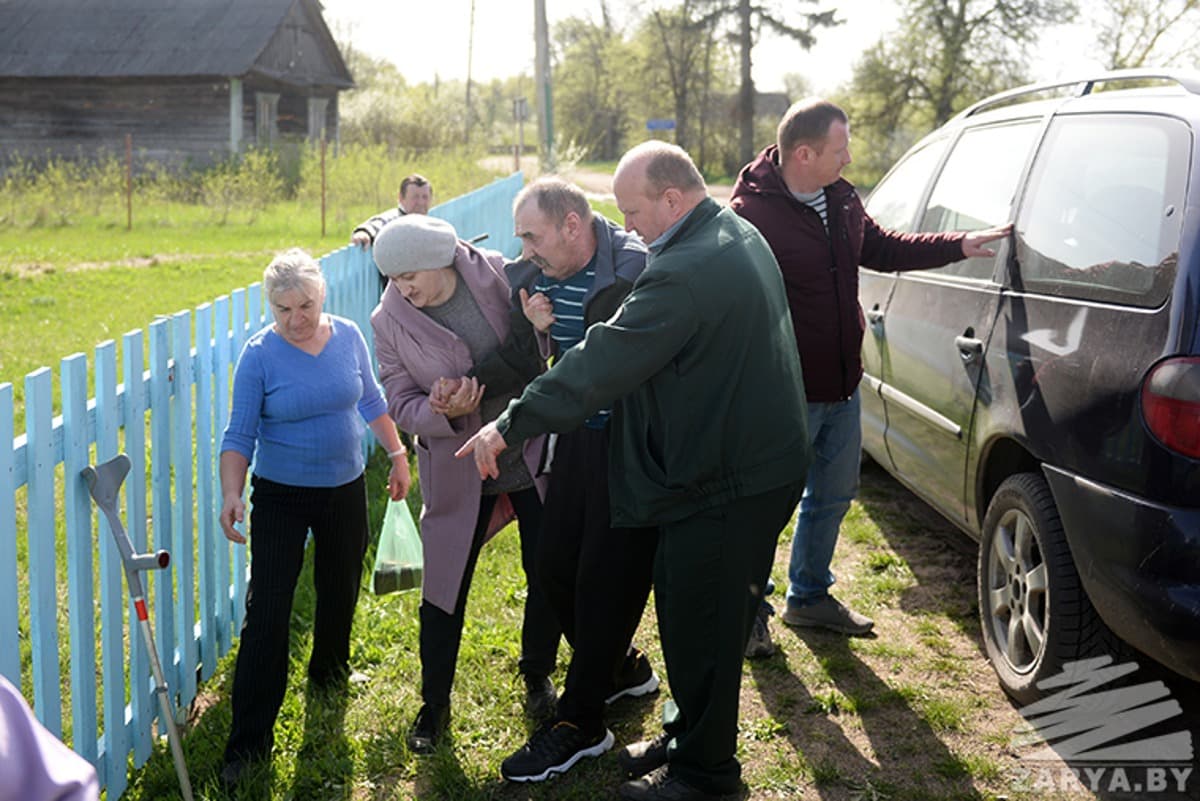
{"x":128,"y":182}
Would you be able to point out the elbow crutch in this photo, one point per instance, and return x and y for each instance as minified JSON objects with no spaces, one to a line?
{"x":104,"y":483}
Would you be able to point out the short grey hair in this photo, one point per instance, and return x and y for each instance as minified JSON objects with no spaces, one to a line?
{"x":807,"y":122}
{"x":667,"y":166}
{"x":293,"y":269}
{"x":555,"y":198}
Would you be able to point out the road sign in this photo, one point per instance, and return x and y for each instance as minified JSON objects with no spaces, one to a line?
{"x":660,"y":125}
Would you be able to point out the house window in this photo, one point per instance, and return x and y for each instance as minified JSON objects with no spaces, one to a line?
{"x":266,"y":116}
{"x":316,"y":118}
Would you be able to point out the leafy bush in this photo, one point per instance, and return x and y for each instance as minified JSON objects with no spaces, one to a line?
{"x":249,"y":184}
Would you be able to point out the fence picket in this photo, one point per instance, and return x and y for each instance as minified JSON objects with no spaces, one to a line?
{"x":114,"y":747}
{"x":141,"y":699}
{"x":10,"y":658}
{"x":222,"y":361}
{"x":206,"y":536}
{"x":43,"y":579}
{"x":80,"y":591}
{"x":181,"y":395}
{"x":183,"y":562}
{"x":160,"y":498}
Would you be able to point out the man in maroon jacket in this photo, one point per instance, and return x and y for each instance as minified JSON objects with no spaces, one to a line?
{"x":820,"y":233}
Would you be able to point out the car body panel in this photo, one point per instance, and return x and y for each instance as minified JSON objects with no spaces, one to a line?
{"x":1091,"y":291}
{"x":1145,"y":587}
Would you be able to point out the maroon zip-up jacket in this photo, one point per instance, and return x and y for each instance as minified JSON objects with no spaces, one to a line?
{"x":820,"y":270}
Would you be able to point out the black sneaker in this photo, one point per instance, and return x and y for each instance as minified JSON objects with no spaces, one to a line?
{"x":428,"y":729}
{"x":660,"y":785}
{"x":552,"y":750}
{"x":541,"y":700}
{"x":638,"y":759}
{"x":634,"y":678}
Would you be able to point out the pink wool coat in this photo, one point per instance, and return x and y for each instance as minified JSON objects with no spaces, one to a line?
{"x":414,"y":352}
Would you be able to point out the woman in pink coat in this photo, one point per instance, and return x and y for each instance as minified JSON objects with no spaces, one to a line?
{"x":444,"y":310}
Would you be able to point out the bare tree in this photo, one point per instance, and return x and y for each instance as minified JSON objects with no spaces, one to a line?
{"x":684,"y":39}
{"x":1141,"y":33}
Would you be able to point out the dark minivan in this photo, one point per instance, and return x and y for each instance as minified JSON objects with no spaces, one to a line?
{"x":1047,"y":400}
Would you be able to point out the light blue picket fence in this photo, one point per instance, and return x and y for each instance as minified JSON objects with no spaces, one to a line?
{"x":177,"y":403}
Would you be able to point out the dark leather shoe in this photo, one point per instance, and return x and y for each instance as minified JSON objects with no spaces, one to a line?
{"x":231,"y":773}
{"x":660,"y":785}
{"x":638,"y":759}
{"x":428,"y":729}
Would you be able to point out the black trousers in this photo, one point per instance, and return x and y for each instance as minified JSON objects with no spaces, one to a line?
{"x":280,"y":518}
{"x":708,"y":578}
{"x":597,"y":577}
{"x":441,"y":633}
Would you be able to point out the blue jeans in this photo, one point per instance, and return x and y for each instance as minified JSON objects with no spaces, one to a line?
{"x":836,"y":436}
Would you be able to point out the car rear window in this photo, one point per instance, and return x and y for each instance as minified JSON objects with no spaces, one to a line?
{"x":1102,"y":212}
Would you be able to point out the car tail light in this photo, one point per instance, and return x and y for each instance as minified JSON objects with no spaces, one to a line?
{"x":1171,"y":404}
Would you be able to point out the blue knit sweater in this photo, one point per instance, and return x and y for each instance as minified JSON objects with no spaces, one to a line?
{"x":304,"y":414}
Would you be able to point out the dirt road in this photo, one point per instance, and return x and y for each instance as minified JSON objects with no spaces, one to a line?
{"x":596,"y":183}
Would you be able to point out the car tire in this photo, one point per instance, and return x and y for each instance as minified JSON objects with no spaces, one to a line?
{"x":1035,"y":614}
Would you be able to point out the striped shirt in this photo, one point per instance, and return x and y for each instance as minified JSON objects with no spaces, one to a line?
{"x":816,"y":201}
{"x":566,"y":297}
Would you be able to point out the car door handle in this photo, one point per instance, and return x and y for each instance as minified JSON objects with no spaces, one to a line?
{"x":968,"y":347}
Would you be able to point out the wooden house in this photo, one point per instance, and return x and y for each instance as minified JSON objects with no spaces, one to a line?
{"x":192,"y":81}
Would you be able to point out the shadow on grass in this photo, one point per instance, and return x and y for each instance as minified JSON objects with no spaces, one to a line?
{"x":898,"y":735}
{"x":941,"y":557}
{"x":944,"y":561}
{"x":325,"y":762}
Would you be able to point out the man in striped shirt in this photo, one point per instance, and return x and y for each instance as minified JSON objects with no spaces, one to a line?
{"x":577,"y":269}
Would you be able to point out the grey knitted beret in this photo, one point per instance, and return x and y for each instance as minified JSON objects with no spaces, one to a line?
{"x":413,"y":243}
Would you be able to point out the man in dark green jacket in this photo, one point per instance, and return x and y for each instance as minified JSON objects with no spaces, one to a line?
{"x":709,"y":445}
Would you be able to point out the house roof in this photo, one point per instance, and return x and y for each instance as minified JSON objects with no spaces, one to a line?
{"x":150,"y":38}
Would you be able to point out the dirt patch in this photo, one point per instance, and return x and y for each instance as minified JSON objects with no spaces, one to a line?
{"x":31,"y":269}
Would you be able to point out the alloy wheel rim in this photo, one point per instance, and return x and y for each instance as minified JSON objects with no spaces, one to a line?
{"x":1017,"y":591}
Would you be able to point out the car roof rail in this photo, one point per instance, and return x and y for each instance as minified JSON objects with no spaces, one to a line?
{"x":1084,"y":85}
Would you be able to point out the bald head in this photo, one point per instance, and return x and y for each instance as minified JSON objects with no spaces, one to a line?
{"x":656,"y":184}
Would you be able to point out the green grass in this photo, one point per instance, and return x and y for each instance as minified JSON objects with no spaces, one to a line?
{"x":894,"y":716}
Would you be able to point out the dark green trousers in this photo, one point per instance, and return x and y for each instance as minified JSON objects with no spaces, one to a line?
{"x":709,"y":575}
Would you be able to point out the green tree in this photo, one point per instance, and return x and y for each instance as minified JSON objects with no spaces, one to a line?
{"x":945,"y":55}
{"x":594,"y":84}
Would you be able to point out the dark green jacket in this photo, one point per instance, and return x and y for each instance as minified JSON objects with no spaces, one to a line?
{"x":700,"y":367}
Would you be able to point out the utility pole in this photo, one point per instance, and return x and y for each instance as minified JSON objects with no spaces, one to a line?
{"x":470,"y":53}
{"x":545,"y":104}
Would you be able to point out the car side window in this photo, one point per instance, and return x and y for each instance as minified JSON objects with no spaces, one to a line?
{"x":977,"y":186}
{"x":1102,"y":214}
{"x":893,"y":203}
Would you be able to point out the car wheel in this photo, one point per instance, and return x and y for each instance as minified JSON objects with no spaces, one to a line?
{"x":1035,"y":614}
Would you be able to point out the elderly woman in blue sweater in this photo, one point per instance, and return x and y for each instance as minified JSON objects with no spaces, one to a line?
{"x":302,"y":389}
